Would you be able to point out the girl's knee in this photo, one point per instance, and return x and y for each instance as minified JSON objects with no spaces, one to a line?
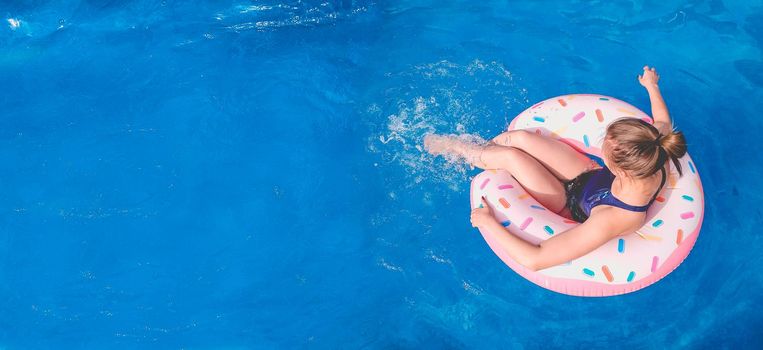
{"x":511,"y":138}
{"x":497,"y":156}
{"x":519,"y":138}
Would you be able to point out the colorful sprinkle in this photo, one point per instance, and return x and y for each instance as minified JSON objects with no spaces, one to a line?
{"x":506,"y":223}
{"x":523,"y":196}
{"x":625,"y":111}
{"x":537,"y":207}
{"x":631,"y":275}
{"x":481,"y":206}
{"x":607,"y":274}
{"x":655,"y":259}
{"x":688,"y":198}
{"x":652,"y":238}
{"x":687,"y":215}
{"x":588,"y":272}
{"x":570,"y":221}
{"x":679,"y":236}
{"x":549,"y":230}
{"x":525,"y":223}
{"x":691,"y":167}
{"x":603,"y":99}
{"x":562,"y":102}
{"x":672,"y":179}
{"x":484,"y":183}
{"x":578,"y":117}
{"x":657,"y":223}
{"x":585,"y":141}
{"x":504,"y":203}
{"x":599,"y":115}
{"x":505,"y":187}
{"x":539,"y":119}
{"x":557,"y":132}
{"x":620,"y":245}
{"x":660,"y":199}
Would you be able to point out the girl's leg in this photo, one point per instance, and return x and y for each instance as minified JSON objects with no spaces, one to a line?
{"x":560,"y":158}
{"x":529,"y":172}
{"x":538,"y":181}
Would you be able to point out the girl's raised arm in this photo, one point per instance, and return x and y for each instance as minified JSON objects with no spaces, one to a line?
{"x":659,"y":110}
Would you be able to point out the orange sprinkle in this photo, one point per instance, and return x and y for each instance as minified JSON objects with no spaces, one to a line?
{"x":652,"y":238}
{"x":570,"y":221}
{"x":560,"y":130}
{"x":562,"y":102}
{"x":660,"y":199}
{"x":599,"y":115}
{"x":504,"y":203}
{"x":523,"y":196}
{"x":607,"y":274}
{"x":679,"y":236}
{"x":625,"y":111}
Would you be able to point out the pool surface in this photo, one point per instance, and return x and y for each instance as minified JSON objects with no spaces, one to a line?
{"x":235,"y":175}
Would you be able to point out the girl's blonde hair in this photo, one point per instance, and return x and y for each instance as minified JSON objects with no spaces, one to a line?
{"x":640,"y":150}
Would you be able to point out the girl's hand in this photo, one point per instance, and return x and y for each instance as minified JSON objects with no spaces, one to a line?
{"x":650,"y":78}
{"x":482,"y":216}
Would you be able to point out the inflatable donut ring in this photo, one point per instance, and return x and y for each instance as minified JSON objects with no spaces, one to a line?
{"x":624,"y":264}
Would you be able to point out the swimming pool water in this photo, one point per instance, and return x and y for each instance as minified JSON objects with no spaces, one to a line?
{"x":230,"y":175}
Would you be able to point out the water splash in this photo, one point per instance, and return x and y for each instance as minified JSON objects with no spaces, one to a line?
{"x":14,"y":23}
{"x":444,"y":98}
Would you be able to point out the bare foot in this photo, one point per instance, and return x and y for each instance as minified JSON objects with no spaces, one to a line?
{"x":451,"y":146}
{"x":436,"y":144}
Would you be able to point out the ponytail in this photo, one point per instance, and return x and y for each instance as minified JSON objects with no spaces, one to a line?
{"x":674,"y":145}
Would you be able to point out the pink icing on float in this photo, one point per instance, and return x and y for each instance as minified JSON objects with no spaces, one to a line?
{"x":624,"y":264}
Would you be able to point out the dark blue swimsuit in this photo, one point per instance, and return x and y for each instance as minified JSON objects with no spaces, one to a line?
{"x":594,"y":188}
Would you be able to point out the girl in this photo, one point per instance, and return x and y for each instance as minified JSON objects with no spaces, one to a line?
{"x":609,"y":201}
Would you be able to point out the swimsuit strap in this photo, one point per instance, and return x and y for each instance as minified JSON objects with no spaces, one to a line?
{"x":662,"y":183}
{"x":610,"y":199}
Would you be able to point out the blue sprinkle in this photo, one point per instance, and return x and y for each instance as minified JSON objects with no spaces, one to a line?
{"x":539,"y":119}
{"x":585,"y":140}
{"x":691,"y":167}
{"x":631,"y":275}
{"x":549,"y":230}
{"x":481,"y":206}
{"x":688,"y":198}
{"x":603,"y":98}
{"x":588,"y":272}
{"x":537,"y":207}
{"x":620,"y":245}
{"x":506,"y":223}
{"x":657,"y":223}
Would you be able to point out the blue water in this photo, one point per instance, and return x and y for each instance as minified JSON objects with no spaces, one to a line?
{"x":232,"y":175}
